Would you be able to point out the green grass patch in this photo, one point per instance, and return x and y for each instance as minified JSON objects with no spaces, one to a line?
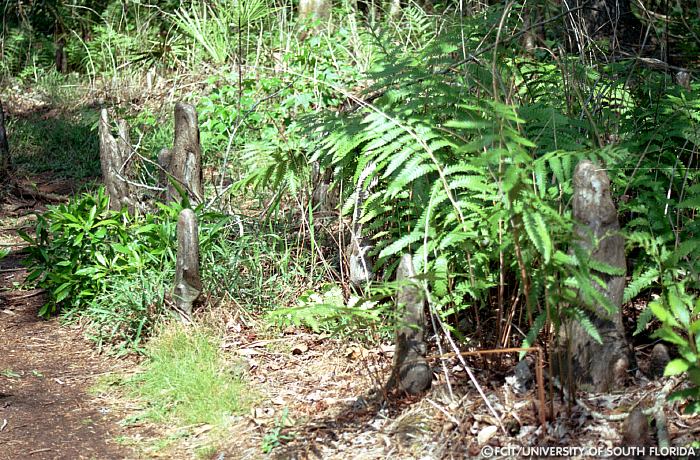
{"x":187,"y":381}
{"x":65,"y":144}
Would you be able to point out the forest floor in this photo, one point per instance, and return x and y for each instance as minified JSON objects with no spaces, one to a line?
{"x":317,"y":396}
{"x":46,"y":371}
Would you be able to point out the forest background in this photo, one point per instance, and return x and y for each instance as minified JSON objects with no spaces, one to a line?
{"x":445,"y":130}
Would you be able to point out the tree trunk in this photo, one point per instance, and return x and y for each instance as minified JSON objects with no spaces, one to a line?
{"x":4,"y":146}
{"x":602,"y":19}
{"x":188,"y":284}
{"x":410,"y":372}
{"x":599,"y":366}
{"x":314,"y":13}
{"x":314,"y":10}
{"x":185,"y":164}
{"x":114,"y":160}
{"x":61,"y":58}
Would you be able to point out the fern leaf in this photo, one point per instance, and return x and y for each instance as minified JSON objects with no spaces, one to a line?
{"x":639,"y":283}
{"x":400,"y":244}
{"x":584,"y":321}
{"x":538,"y":233}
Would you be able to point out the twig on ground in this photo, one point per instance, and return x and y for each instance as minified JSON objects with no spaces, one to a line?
{"x":27,"y":296}
{"x":12,"y":270}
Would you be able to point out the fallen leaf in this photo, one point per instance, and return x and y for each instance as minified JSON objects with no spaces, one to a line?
{"x":300,"y":348}
{"x":356,"y":352}
{"x":486,"y":434}
{"x":262,"y":415}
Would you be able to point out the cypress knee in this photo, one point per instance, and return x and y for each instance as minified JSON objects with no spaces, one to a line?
{"x":359,"y":265}
{"x":185,"y":165}
{"x":188,"y":284}
{"x":410,"y":372}
{"x":113,"y":156}
{"x":164,"y":169}
{"x":599,"y":366}
{"x":4,"y":146}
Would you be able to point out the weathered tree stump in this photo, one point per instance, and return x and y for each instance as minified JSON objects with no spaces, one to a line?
{"x":599,"y":367}
{"x":683,"y":78}
{"x":359,"y":266}
{"x":4,"y":146}
{"x":188,"y":284}
{"x":114,"y":160}
{"x":61,"y":57}
{"x":410,"y":372}
{"x":660,"y":357}
{"x":323,"y":199}
{"x":185,"y":159}
{"x":395,"y":9}
{"x":163,"y":171}
{"x":635,"y":430}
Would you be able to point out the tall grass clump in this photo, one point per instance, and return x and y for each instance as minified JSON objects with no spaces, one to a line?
{"x":185,"y":379}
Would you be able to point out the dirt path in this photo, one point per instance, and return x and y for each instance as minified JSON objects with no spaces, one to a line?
{"x":46,"y":410}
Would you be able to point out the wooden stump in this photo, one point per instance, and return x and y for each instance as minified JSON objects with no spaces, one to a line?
{"x":114,"y":160}
{"x":324,"y":199}
{"x":163,"y":171}
{"x":188,"y":284}
{"x":61,"y":57}
{"x":185,"y":159}
{"x":410,"y":372}
{"x":4,"y":146}
{"x":359,"y":265}
{"x":599,"y":367}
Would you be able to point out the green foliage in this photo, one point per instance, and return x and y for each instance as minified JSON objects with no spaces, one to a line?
{"x":64,"y":144}
{"x":186,"y":380}
{"x":253,"y":125}
{"x":478,"y":190}
{"x":125,"y":315}
{"x":10,"y":374}
{"x":679,"y":314}
{"x":219,"y":28}
{"x":275,"y":437}
{"x":90,"y":260}
{"x":115,"y":270}
{"x":78,"y":247}
{"x":458,"y":185}
{"x":327,"y":311}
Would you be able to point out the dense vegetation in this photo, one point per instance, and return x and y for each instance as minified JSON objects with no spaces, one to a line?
{"x":453,"y":141}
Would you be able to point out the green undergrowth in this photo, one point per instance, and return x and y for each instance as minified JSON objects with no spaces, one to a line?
{"x":64,"y":143}
{"x":184,"y":383}
{"x":113,"y":272}
{"x":187,"y":380}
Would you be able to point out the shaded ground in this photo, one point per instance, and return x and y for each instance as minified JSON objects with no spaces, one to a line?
{"x":46,"y":411}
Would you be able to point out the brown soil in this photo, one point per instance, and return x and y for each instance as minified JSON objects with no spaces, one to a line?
{"x":46,"y":371}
